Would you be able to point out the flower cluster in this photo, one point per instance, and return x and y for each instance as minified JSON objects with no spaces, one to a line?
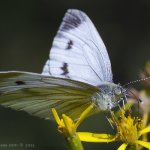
{"x":131,"y":129}
{"x":68,"y":127}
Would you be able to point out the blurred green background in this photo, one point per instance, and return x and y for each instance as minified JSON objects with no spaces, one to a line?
{"x":27,"y":29}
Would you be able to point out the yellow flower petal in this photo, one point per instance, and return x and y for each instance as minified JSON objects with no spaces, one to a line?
{"x":92,"y":137}
{"x":69,"y":125}
{"x":143,"y":143}
{"x":84,"y":114}
{"x":123,"y":146}
{"x":144,"y":131}
{"x":56,"y":117}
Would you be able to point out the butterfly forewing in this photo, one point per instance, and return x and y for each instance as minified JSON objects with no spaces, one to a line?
{"x":78,"y":52}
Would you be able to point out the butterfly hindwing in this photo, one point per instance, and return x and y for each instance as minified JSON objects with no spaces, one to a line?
{"x":37,"y":94}
{"x":78,"y":52}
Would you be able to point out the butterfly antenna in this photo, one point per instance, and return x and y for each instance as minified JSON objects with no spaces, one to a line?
{"x":133,"y":82}
{"x":139,"y":80}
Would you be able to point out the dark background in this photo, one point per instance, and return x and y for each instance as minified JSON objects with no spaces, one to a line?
{"x":26,"y":32}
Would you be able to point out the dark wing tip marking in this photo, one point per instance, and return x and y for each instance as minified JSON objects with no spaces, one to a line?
{"x":70,"y":44}
{"x":20,"y":82}
{"x":65,"y":69}
{"x":72,"y":19}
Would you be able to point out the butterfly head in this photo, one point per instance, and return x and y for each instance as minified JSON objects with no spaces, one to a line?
{"x":109,"y":96}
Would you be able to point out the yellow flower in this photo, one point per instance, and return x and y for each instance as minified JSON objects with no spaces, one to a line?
{"x":68,"y":127}
{"x":129,"y":131}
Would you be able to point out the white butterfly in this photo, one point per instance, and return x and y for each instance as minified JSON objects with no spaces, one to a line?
{"x":77,"y":73}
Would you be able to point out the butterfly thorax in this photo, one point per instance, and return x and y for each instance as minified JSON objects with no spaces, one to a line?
{"x":108,"y":96}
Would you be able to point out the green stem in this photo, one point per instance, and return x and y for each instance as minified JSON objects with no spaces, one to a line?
{"x":74,"y":143}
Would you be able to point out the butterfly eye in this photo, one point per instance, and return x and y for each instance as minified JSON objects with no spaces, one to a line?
{"x":117,"y":91}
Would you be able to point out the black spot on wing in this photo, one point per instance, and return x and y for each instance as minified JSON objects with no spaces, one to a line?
{"x":65,"y":69}
{"x":20,"y":82}
{"x":69,"y":45}
{"x":71,"y":20}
